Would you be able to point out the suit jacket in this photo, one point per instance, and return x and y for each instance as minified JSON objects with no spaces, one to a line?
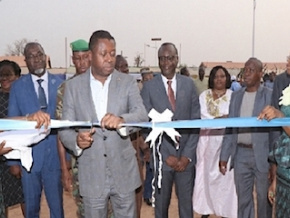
{"x":23,"y":100}
{"x":187,"y":108}
{"x":109,"y":149}
{"x":280,"y":83}
{"x":262,"y":138}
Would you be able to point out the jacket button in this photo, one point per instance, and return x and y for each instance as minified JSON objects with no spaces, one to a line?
{"x":105,"y":155}
{"x":104,"y":138}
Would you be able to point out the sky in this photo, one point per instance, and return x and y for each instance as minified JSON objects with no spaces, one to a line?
{"x":202,"y":30}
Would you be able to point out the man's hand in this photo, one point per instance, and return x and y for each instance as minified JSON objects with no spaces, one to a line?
{"x":182,"y":164}
{"x":41,"y":118}
{"x":66,"y":179}
{"x":146,"y":155}
{"x":85,"y":139}
{"x":172,"y":161}
{"x":272,"y":192}
{"x":4,"y":150}
{"x":15,"y":170}
{"x":269,"y":113}
{"x":110,"y":121}
{"x":223,"y":167}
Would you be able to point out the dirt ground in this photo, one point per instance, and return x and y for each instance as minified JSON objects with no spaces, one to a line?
{"x":70,"y":209}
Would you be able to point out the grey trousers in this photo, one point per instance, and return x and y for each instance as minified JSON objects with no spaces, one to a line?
{"x":124,"y":205}
{"x":246,"y":176}
{"x":184,"y":182}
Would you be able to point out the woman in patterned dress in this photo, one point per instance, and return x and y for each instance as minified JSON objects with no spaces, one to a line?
{"x":279,"y":190}
{"x":214,"y":193}
{"x":11,"y":185}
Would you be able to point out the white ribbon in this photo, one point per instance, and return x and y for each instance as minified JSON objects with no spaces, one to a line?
{"x":20,"y":141}
{"x":157,"y":132}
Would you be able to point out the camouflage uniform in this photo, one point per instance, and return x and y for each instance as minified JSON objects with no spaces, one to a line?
{"x":74,"y":165}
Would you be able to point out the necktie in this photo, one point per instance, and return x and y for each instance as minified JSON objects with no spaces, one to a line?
{"x":41,"y":96}
{"x":171,"y":95}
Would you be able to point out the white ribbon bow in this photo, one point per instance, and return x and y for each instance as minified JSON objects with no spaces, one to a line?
{"x":155,"y":133}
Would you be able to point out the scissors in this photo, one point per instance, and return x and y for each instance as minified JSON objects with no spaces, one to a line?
{"x":92,"y":127}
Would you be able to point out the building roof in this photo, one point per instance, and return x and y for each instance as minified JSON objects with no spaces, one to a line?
{"x":268,"y":66}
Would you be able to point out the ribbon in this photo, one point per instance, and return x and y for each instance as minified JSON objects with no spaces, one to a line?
{"x":160,"y":123}
{"x":20,"y":141}
{"x":157,"y":132}
{"x":8,"y":124}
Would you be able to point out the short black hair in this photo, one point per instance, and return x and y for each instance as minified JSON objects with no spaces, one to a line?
{"x":184,"y":71}
{"x":167,"y":44}
{"x":14,"y":65}
{"x":99,"y":34}
{"x":266,"y":77}
{"x":119,"y":58}
{"x":212,"y":76}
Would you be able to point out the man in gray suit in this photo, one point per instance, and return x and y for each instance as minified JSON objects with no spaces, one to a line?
{"x":249,"y":147}
{"x":107,"y":161}
{"x":177,"y":93}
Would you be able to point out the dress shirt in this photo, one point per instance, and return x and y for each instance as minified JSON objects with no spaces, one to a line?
{"x":100,"y":95}
{"x":173,"y":84}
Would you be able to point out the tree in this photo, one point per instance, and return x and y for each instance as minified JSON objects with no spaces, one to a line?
{"x":138,"y":60}
{"x":17,"y":48}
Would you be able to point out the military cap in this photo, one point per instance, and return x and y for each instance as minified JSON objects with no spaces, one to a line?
{"x":79,"y":45}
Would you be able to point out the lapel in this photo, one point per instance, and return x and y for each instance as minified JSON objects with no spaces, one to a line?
{"x":30,"y":87}
{"x":180,"y":94}
{"x":30,"y":93}
{"x":86,"y":95}
{"x":114,"y":92}
{"x":161,"y":94}
{"x":259,"y":103}
{"x":238,"y":103}
{"x":52,"y":89}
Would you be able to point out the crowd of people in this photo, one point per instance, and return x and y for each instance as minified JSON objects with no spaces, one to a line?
{"x":214,"y":170}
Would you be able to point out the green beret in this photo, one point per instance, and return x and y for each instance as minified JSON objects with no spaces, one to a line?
{"x":79,"y":45}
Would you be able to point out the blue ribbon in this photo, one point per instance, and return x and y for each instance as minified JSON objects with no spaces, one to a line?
{"x":216,"y":123}
{"x":8,"y":124}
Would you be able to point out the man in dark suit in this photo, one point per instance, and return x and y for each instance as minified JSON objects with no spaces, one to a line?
{"x":280,"y":83}
{"x":32,"y":92}
{"x":107,"y":162}
{"x":249,"y":147}
{"x":177,"y":93}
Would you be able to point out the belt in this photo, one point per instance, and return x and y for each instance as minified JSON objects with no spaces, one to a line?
{"x":242,"y":145}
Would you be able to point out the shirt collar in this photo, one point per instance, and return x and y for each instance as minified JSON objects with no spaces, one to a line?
{"x":44,"y":77}
{"x":92,"y":78}
{"x":164,"y":79}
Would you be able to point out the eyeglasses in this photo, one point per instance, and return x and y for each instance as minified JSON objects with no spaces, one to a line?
{"x":168,"y":58}
{"x":38,"y":56}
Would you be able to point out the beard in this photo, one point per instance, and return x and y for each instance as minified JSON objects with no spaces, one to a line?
{"x":39,"y":71}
